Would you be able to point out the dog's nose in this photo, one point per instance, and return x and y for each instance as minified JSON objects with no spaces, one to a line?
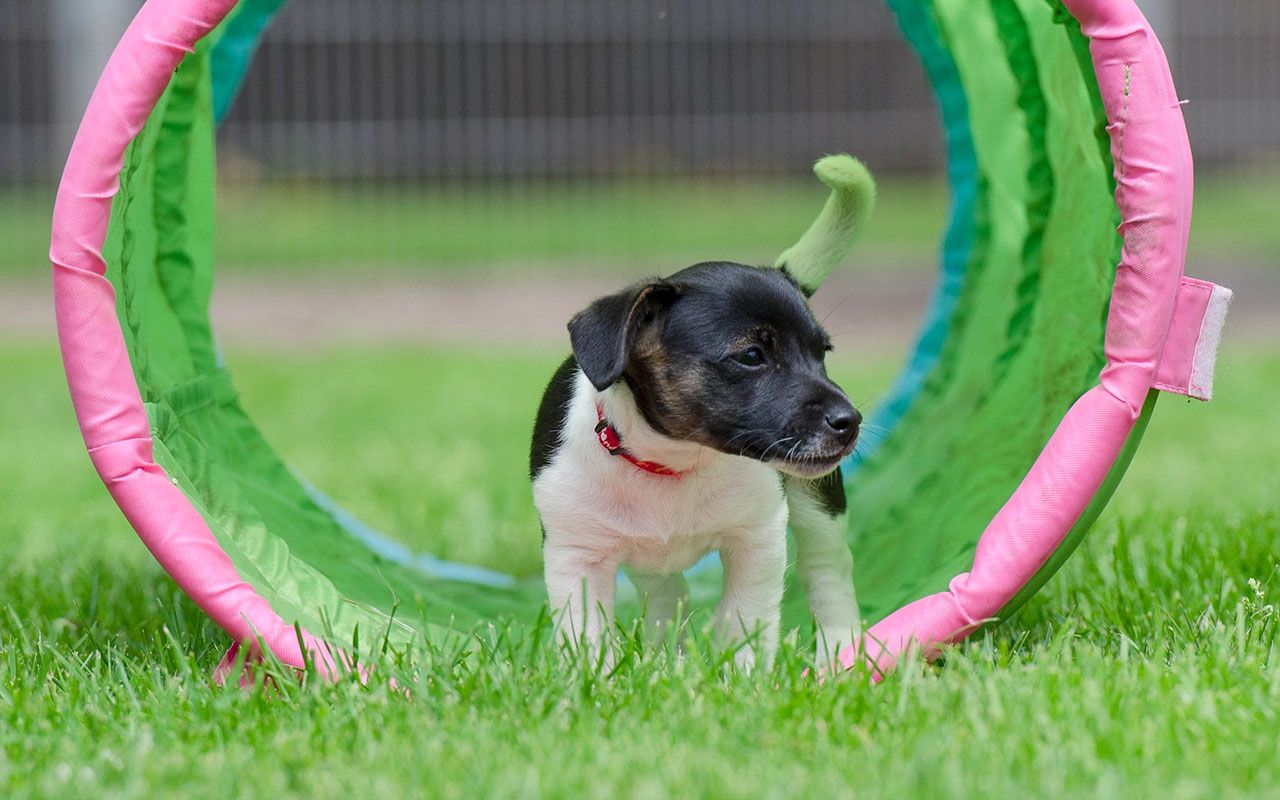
{"x":843,"y":419}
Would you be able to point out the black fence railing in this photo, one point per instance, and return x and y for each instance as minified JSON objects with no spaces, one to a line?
{"x":432,"y":89}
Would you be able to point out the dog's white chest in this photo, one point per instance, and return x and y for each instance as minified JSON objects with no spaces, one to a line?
{"x":668,"y":528}
{"x":654,"y":523}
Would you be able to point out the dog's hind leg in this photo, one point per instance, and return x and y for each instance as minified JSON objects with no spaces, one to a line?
{"x":819,"y":521}
{"x":665,"y":599}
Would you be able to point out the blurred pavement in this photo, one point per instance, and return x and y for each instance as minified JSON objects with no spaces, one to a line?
{"x":873,"y":312}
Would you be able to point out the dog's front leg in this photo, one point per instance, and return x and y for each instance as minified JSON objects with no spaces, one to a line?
{"x":580,"y":592}
{"x":755,"y":561}
{"x":824,"y":564}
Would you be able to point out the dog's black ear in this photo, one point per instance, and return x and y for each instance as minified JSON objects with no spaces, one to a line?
{"x":604,"y":332}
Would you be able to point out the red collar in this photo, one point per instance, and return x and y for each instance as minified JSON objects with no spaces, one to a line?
{"x":611,"y":442}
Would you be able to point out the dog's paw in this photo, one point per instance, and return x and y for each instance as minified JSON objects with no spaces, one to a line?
{"x":827,"y":650}
{"x":744,"y":659}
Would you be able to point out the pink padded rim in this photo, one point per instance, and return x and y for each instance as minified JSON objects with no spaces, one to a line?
{"x":106,"y":398}
{"x":1153,"y":191}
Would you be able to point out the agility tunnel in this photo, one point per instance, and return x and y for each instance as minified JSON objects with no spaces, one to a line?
{"x":1060,"y":312}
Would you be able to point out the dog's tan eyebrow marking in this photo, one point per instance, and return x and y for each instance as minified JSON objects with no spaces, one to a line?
{"x":740,"y":344}
{"x":760,"y":337}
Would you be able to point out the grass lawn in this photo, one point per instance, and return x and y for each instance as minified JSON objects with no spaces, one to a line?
{"x":606,"y":224}
{"x":1146,"y":668}
{"x":612,"y":224}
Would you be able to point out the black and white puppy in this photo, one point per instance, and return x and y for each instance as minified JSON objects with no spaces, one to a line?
{"x":694,"y":413}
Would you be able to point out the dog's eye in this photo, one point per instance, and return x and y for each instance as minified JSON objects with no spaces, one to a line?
{"x":751,"y":357}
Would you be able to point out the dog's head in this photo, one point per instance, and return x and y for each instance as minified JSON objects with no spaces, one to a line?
{"x":725,"y":355}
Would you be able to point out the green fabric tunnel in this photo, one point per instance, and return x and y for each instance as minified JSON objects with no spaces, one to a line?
{"x":1014,"y":335}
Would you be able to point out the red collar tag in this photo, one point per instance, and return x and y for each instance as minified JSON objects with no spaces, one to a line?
{"x":610,"y":441}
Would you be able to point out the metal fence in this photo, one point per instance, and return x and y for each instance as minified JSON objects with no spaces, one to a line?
{"x":454,"y":88}
{"x":1226,"y":61}
{"x":439,"y":89}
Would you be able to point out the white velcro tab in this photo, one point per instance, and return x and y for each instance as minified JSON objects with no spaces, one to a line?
{"x":1191,"y":347}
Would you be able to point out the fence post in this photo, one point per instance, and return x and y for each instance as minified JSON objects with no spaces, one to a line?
{"x":84,"y":34}
{"x":1162,"y":16}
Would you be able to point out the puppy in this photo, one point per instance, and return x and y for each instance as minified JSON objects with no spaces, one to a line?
{"x":693,"y":415}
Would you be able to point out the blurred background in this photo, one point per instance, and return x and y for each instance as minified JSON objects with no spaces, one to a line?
{"x":457,"y":137}
{"x":427,"y":91}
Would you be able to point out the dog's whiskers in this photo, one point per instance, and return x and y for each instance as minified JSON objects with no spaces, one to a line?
{"x":740,"y":435}
{"x":766,"y":453}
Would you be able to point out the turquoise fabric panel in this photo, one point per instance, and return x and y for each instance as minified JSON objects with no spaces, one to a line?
{"x":915,"y":18}
{"x":233,"y":52}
